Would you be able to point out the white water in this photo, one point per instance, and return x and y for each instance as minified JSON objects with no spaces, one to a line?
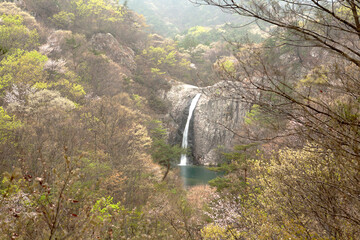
{"x":183,"y":159}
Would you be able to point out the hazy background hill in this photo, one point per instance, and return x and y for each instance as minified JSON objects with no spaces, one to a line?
{"x":170,"y":17}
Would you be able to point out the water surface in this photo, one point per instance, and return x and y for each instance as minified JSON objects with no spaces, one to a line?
{"x":197,"y":175}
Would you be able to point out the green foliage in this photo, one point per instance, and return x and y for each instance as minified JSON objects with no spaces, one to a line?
{"x":199,"y":35}
{"x":10,"y":184}
{"x":67,"y":83}
{"x":100,"y":9}
{"x":161,"y":56}
{"x":22,"y":67}
{"x":156,"y":129}
{"x":253,"y":115}
{"x":7,"y":125}
{"x":94,"y":16}
{"x":348,"y":110}
{"x":227,"y":65}
{"x":104,"y":208}
{"x":199,"y":30}
{"x":26,"y":70}
{"x":13,"y":34}
{"x":76,"y":90}
{"x":214,"y":232}
{"x":165,"y":154}
{"x":63,"y":19}
{"x":257,"y":116}
{"x":139,"y":101}
{"x":239,"y":156}
{"x":291,"y":194}
{"x":299,"y":180}
{"x":318,"y":76}
{"x":156,"y":71}
{"x":165,"y":59}
{"x":162,"y":152}
{"x":236,"y":168}
{"x":220,"y":183}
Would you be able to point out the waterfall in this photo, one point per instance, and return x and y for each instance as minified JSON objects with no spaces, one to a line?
{"x":183,"y":160}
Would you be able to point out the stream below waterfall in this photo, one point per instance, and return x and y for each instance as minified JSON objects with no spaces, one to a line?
{"x":197,"y":175}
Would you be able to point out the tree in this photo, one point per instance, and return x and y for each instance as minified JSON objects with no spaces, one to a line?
{"x":13,"y":34}
{"x":90,"y":17}
{"x":307,"y":193}
{"x":162,"y":152}
{"x":318,"y":100}
{"x":306,"y":78}
{"x":165,"y":59}
{"x":21,"y":70}
{"x":7,"y":125}
{"x":57,"y":204}
{"x":320,"y":23}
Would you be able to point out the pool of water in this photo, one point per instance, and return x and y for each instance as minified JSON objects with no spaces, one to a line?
{"x":197,"y":175}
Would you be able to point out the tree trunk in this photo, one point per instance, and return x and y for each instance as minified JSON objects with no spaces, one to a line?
{"x":167,"y":171}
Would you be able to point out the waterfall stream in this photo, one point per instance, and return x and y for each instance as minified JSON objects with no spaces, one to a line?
{"x":183,"y":159}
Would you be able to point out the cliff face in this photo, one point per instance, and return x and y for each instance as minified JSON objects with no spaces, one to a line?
{"x":215,"y":113}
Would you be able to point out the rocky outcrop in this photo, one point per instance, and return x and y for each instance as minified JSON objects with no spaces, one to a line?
{"x":215,"y":114}
{"x":107,"y":44}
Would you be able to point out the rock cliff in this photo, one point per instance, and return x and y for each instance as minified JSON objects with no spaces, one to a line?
{"x":216,"y":112}
{"x":107,"y":43}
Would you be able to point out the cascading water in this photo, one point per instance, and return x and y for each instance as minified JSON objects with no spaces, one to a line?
{"x":183,"y":159}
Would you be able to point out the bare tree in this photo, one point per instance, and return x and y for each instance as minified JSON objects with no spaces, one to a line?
{"x":334,"y":25}
{"x":305,"y":82}
{"x":322,"y":98}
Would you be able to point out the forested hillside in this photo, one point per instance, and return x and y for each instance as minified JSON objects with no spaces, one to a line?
{"x":86,"y":120}
{"x":78,"y":125}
